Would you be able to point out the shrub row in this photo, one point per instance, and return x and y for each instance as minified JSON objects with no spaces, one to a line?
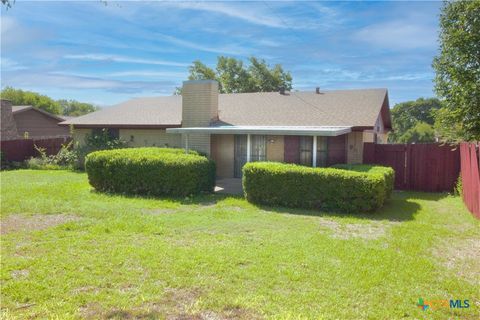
{"x":330,"y":189}
{"x":387,"y":172}
{"x":150,"y":171}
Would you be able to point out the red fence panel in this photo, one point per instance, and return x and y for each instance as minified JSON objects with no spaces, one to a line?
{"x":22,"y":149}
{"x":470,"y":157}
{"x":421,"y":167}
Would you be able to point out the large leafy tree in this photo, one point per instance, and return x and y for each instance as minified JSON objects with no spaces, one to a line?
{"x":234,"y":77}
{"x":413,"y":121}
{"x":75,"y":108}
{"x":457,"y":69}
{"x":21,"y":97}
{"x":62,"y":107}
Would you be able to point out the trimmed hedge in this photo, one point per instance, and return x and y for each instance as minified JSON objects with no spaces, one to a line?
{"x":387,"y":172}
{"x":330,"y":189}
{"x":150,"y":171}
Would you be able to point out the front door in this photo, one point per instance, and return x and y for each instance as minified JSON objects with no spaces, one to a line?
{"x":258,"y":151}
{"x":240,"y":155}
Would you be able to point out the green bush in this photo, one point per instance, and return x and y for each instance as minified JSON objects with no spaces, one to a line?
{"x":327,"y":189}
{"x":387,"y":172}
{"x":150,"y":171}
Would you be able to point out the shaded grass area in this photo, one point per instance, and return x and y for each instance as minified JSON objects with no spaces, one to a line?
{"x":214,"y":256}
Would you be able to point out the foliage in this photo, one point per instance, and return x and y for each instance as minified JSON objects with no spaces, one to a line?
{"x":328,"y":189}
{"x":407,"y":115}
{"x":150,"y":171}
{"x":212,"y":249}
{"x":21,"y":97}
{"x":421,"y":133}
{"x":458,"y":189}
{"x":234,"y":77}
{"x":386,"y":172}
{"x":457,"y":68}
{"x":45,"y":103}
{"x":64,"y":159}
{"x":447,"y":126}
{"x":94,"y":142}
{"x":74,"y":108}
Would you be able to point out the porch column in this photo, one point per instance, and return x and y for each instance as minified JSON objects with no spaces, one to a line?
{"x":314,"y":152}
{"x":249,"y":148}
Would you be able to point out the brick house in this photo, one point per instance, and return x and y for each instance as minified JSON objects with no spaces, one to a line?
{"x":309,"y":128}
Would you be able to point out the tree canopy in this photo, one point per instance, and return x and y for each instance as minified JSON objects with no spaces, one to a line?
{"x":61,"y":107}
{"x":457,"y":68}
{"x":413,"y":121}
{"x":234,"y":77}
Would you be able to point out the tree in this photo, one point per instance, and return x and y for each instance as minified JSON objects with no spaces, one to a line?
{"x":75,"y":108}
{"x":407,"y":115}
{"x":457,"y":69}
{"x":234,"y":77}
{"x":62,"y":107}
{"x":20,"y":97}
{"x":420,"y":133}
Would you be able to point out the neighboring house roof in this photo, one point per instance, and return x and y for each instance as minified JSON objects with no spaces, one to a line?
{"x":356,"y":108}
{"x":19,"y":109}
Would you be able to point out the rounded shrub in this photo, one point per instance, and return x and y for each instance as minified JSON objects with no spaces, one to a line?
{"x":387,"y":172}
{"x":150,"y":171}
{"x":329,"y":189}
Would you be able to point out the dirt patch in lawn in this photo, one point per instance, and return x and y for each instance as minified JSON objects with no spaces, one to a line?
{"x":462,"y":257}
{"x":22,"y":223}
{"x":370,"y":231}
{"x":177,"y":304}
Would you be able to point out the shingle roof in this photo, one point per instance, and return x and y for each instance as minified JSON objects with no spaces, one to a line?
{"x":358,"y":108}
{"x":19,"y":109}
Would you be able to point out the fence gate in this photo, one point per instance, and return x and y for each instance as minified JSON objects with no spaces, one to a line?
{"x":422,"y":167}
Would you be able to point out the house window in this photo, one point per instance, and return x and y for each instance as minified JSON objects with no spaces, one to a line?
{"x":306,"y":146}
{"x":258,"y":148}
{"x":113,"y":133}
{"x":322,"y":151}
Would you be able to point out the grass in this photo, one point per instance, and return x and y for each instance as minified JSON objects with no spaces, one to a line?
{"x":82,"y":254}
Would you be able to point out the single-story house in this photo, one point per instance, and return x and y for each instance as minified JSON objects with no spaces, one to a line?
{"x":310,"y":128}
{"x":36,"y":123}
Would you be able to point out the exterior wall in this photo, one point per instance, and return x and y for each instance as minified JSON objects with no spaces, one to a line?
{"x":223,"y":154}
{"x":199,"y":109}
{"x":39,"y":125}
{"x":150,"y":138}
{"x":275,"y":148}
{"x":137,"y":137}
{"x":7,"y":124}
{"x":355,"y":147}
{"x":336,"y":150}
{"x":378,"y":134}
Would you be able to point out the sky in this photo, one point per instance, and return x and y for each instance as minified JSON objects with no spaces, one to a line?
{"x":106,"y":53}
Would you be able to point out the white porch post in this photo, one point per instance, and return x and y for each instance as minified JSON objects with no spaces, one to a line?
{"x":186,"y":143}
{"x":249,"y":148}
{"x":314,"y":152}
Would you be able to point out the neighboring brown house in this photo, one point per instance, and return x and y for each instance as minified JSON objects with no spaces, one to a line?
{"x":308,"y":128}
{"x":36,"y":123}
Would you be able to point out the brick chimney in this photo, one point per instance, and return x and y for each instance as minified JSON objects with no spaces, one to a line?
{"x":199,"y":109}
{"x":8,"y":125}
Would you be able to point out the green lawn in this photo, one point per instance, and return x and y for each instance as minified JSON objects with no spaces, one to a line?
{"x":69,"y":252}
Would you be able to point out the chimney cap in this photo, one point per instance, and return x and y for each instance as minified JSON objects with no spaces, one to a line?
{"x":317,"y":90}
{"x":199,"y":81}
{"x":281,"y":90}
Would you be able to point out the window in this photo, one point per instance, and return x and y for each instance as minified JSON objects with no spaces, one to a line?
{"x":306,"y":146}
{"x":113,"y":133}
{"x":322,"y":151}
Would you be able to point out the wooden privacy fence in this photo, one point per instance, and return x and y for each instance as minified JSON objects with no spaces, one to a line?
{"x":22,"y":149}
{"x":470,"y":157}
{"x":421,"y":167}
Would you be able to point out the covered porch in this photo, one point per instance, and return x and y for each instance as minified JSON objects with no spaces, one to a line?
{"x":233,"y":146}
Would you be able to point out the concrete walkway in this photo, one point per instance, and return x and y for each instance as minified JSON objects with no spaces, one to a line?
{"x":229,"y":186}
